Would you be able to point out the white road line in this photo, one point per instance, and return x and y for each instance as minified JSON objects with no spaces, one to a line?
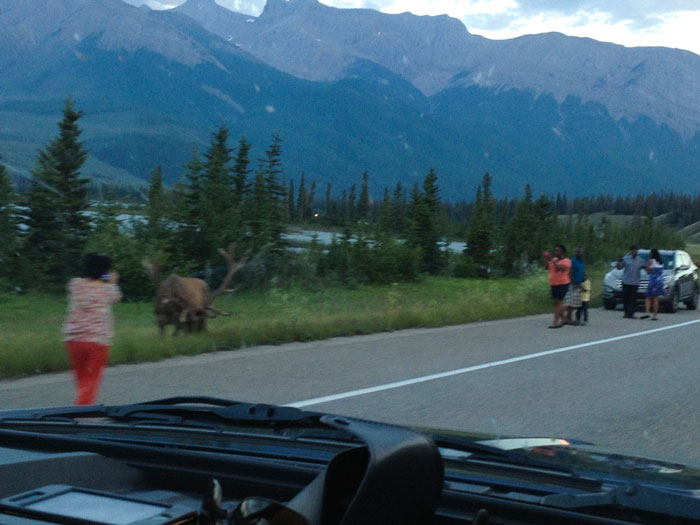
{"x":441,"y":375}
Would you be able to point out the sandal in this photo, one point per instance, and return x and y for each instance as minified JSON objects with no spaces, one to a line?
{"x":646,"y":316}
{"x":556,"y":326}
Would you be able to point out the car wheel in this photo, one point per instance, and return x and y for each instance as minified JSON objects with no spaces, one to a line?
{"x":692,"y":303}
{"x":672,"y":306}
{"x":609,"y":305}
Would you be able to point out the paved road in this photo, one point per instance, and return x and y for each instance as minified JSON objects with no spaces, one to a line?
{"x":632,"y":385}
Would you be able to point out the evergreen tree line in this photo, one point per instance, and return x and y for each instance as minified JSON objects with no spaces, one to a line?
{"x":222,"y":198}
{"x":509,"y":239}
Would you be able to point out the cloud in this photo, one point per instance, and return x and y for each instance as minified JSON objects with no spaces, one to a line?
{"x":643,"y":15}
{"x":619,"y":9}
{"x":636,"y":14}
{"x":155,"y":4}
{"x":493,"y":15}
{"x":249,"y":7}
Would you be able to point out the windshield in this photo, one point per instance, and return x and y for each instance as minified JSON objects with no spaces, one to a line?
{"x":668,"y":258}
{"x":401,"y":212}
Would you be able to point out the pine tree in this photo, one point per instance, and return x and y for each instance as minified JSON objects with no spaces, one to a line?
{"x":180,"y":237}
{"x":8,"y":225}
{"x":482,"y":225}
{"x":271,"y":168}
{"x":363,"y":204}
{"x":241,"y":170}
{"x":430,"y":235}
{"x":423,"y":231}
{"x":126,"y":251}
{"x":343,"y":211}
{"x":57,"y":199}
{"x":193,"y":189}
{"x":291,"y":208}
{"x":310,"y":204}
{"x":327,"y":208}
{"x":352,"y":210}
{"x":547,"y":231}
{"x":302,"y":199}
{"x":241,"y":187}
{"x":519,"y":248}
{"x":217,"y":195}
{"x":189,"y":240}
{"x":415,"y":209}
{"x":44,"y":233}
{"x":258,"y":206}
{"x":399,"y":209}
{"x":285,"y":201}
{"x":385,"y":225}
{"x":157,"y":210}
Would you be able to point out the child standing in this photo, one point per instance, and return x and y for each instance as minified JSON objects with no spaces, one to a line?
{"x":585,"y":298}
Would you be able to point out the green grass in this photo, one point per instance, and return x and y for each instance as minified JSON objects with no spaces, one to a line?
{"x":31,"y":324}
{"x":693,"y":250}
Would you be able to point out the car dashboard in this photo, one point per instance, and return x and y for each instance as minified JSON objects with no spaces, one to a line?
{"x":388,"y":474}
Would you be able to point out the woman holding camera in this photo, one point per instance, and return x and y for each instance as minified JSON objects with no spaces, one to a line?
{"x":559,"y":268}
{"x":89,"y":327}
{"x":655,"y":286}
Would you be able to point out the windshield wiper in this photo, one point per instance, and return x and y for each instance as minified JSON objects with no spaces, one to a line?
{"x":178,"y":410}
{"x":222,"y":409}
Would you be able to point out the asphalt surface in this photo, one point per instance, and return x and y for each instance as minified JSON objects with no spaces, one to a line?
{"x":631,"y":385}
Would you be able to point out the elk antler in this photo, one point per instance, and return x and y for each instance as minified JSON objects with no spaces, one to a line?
{"x":153,"y":267}
{"x":233,"y":267}
{"x":213,"y":312}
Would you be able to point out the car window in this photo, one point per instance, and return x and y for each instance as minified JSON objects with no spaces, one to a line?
{"x":666,"y":257}
{"x":668,"y":260}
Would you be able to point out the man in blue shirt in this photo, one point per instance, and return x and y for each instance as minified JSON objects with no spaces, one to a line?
{"x":573,"y":297}
{"x":632,"y":264}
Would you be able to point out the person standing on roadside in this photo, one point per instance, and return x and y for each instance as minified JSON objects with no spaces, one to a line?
{"x":573,"y":296}
{"x":632,"y":264}
{"x":89,"y":326}
{"x":585,"y":299}
{"x":655,"y":287}
{"x":559,"y":268}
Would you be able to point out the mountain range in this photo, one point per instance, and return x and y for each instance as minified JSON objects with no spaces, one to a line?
{"x":348,"y":90}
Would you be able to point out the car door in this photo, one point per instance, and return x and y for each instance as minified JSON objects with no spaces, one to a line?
{"x":683,"y":274}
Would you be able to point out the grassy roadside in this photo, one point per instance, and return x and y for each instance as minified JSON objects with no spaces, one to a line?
{"x":31,"y":324}
{"x":693,"y":250}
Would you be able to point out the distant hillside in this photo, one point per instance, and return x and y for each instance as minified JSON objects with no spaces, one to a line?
{"x":155,"y":85}
{"x":314,"y":41}
{"x":691,"y":232}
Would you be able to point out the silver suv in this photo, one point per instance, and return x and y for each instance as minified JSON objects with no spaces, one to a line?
{"x":680,"y":282}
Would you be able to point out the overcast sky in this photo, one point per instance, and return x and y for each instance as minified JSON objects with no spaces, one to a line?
{"x":670,"y":23}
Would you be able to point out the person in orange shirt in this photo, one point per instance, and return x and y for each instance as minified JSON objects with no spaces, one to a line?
{"x":559,"y":268}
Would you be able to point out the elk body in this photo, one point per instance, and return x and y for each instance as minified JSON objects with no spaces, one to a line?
{"x":186,"y":302}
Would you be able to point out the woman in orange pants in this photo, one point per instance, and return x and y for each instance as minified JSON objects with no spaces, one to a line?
{"x":89,"y":327}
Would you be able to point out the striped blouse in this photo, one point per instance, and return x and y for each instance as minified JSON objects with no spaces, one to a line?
{"x":90,"y":311}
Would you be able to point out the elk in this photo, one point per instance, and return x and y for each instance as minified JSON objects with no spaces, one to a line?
{"x":186,"y":302}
